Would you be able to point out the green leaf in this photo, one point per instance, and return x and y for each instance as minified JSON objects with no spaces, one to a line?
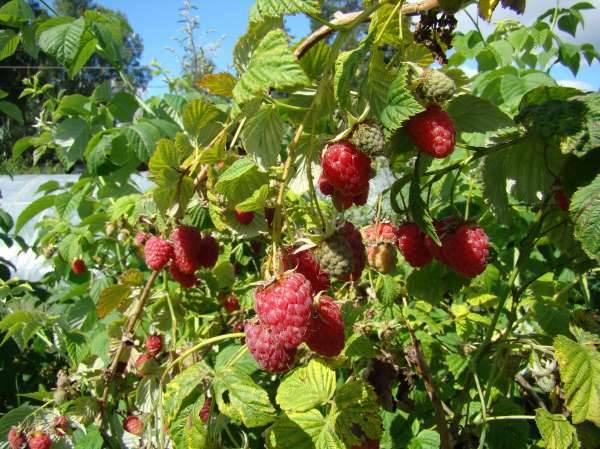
{"x":123,"y":106}
{"x":180,"y":388}
{"x":346,"y":65}
{"x":86,"y":49}
{"x":263,"y":9}
{"x":401,"y":105}
{"x":72,"y":135}
{"x":14,"y":417}
{"x":508,"y":434}
{"x":388,"y":290}
{"x":309,"y":430}
{"x":240,"y":181}
{"x":418,"y":208}
{"x":240,"y":398}
{"x":12,"y":110}
{"x":306,"y":387}
{"x":92,"y":439}
{"x":556,"y":430}
{"x":420,"y":286}
{"x":579,"y":366}
{"x":256,"y":202}
{"x":476,"y":119}
{"x":196,"y":115}
{"x":273,"y":66}
{"x":73,"y":105}
{"x":426,"y":439}
{"x":98,"y":150}
{"x":16,"y":13}
{"x":377,"y":83}
{"x":62,"y":41}
{"x":585,"y":212}
{"x":263,"y":136}
{"x":111,"y":298}
{"x":494,"y":186}
{"x":218,"y":83}
{"x":142,"y":136}
{"x":9,"y":41}
{"x":36,"y":207}
{"x":357,"y":407}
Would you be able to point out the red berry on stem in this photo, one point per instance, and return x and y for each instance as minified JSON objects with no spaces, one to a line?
{"x":208,"y":252}
{"x":433,"y":132}
{"x":285,"y":306}
{"x":265,"y":347}
{"x":381,"y":232}
{"x":359,"y":252}
{"x":466,"y":250}
{"x":133,"y":424}
{"x":141,"y":238}
{"x":158,"y":253}
{"x":411,"y":243}
{"x":243,"y":218}
{"x":185,"y":280}
{"x":141,"y":361}
{"x":305,"y":263}
{"x":154,"y":344}
{"x":16,"y":439}
{"x":346,"y":168}
{"x":39,"y":440}
{"x":186,"y":243}
{"x":231,"y":304}
{"x":325,"y":333}
{"x":78,"y":266}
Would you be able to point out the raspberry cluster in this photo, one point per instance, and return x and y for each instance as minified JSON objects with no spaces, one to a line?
{"x":16,"y":439}
{"x":287,"y":317}
{"x":185,"y":252}
{"x":345,"y":174}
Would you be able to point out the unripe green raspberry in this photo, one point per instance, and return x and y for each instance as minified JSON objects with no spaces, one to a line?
{"x":368,"y":137}
{"x":335,"y":256}
{"x":434,"y":86}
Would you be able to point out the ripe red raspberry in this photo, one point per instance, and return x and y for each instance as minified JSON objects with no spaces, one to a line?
{"x":205,"y":410}
{"x":185,"y":280}
{"x":264,"y":346}
{"x":442,"y":228}
{"x":78,"y":266}
{"x":208,"y":252}
{"x":39,"y":440}
{"x":433,"y":132}
{"x":133,"y":424}
{"x":346,"y":168}
{"x":157,"y":253}
{"x":243,"y":218}
{"x":154,"y":344}
{"x":142,"y":237}
{"x":359,"y":254}
{"x":61,"y":424}
{"x":325,"y":333}
{"x":377,"y":233}
{"x":466,"y":250}
{"x":411,"y":243}
{"x":304,"y":262}
{"x":16,"y":439}
{"x":285,"y":306}
{"x":368,"y":444}
{"x":141,"y":362}
{"x":231,"y":304}
{"x":186,"y":243}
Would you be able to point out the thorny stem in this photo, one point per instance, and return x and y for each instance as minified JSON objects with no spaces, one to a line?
{"x":127,"y":332}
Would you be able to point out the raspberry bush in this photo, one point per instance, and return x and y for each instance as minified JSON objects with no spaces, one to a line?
{"x":344,"y":246}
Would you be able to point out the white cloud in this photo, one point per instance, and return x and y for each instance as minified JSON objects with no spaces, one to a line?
{"x":581,"y":85}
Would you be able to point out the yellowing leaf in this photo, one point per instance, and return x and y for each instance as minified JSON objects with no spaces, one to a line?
{"x":218,"y":83}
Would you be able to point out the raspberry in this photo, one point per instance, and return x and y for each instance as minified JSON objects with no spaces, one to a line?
{"x":285,"y":306}
{"x":185,"y":280}
{"x":186,"y":242}
{"x":466,"y":250}
{"x":157,"y":252}
{"x":304,"y":262}
{"x":368,"y":444}
{"x":39,"y":440}
{"x":325,"y":333}
{"x":433,"y":132}
{"x":264,"y":345}
{"x":140,"y":363}
{"x":411,"y":243}
{"x":442,"y":229}
{"x":133,"y":424}
{"x":335,"y":256}
{"x":435,"y":87}
{"x":368,"y":138}
{"x":231,"y":304}
{"x":61,"y":424}
{"x":359,"y":256}
{"x":16,"y":439}
{"x":382,"y":257}
{"x":205,"y":410}
{"x":382,"y":232}
{"x":208,"y":252}
{"x":78,"y":266}
{"x":325,"y":187}
{"x":141,"y":238}
{"x":243,"y":218}
{"x":154,"y":344}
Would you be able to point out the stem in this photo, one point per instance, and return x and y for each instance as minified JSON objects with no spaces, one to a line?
{"x":172,"y":312}
{"x":127,"y":332}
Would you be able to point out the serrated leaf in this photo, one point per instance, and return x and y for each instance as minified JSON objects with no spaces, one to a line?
{"x":309,"y":430}
{"x":273,"y":66}
{"x":585,"y":212}
{"x":34,"y":208}
{"x":507,"y":434}
{"x":218,"y":83}
{"x":387,"y":289}
{"x":16,"y":12}
{"x":9,"y":41}
{"x":263,"y":136}
{"x":142,"y":136}
{"x":180,"y":387}
{"x":357,"y":406}
{"x":256,"y":202}
{"x":494,"y":186}
{"x":111,"y":298}
{"x":377,"y":83}
{"x":62,"y":41}
{"x":263,"y":9}
{"x":240,"y":181}
{"x":12,"y":110}
{"x":556,"y":430}
{"x":306,"y":387}
{"x":14,"y":417}
{"x":579,"y":367}
{"x":418,"y":208}
{"x":426,"y":439}
{"x":346,"y":65}
{"x":240,"y":398}
{"x":401,"y":105}
{"x":196,"y":115}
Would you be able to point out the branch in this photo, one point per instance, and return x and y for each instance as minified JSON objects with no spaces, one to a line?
{"x":139,"y":307}
{"x":341,"y":20}
{"x":530,"y":391}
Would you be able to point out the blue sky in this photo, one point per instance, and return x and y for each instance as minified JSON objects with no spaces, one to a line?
{"x":157,"y":23}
